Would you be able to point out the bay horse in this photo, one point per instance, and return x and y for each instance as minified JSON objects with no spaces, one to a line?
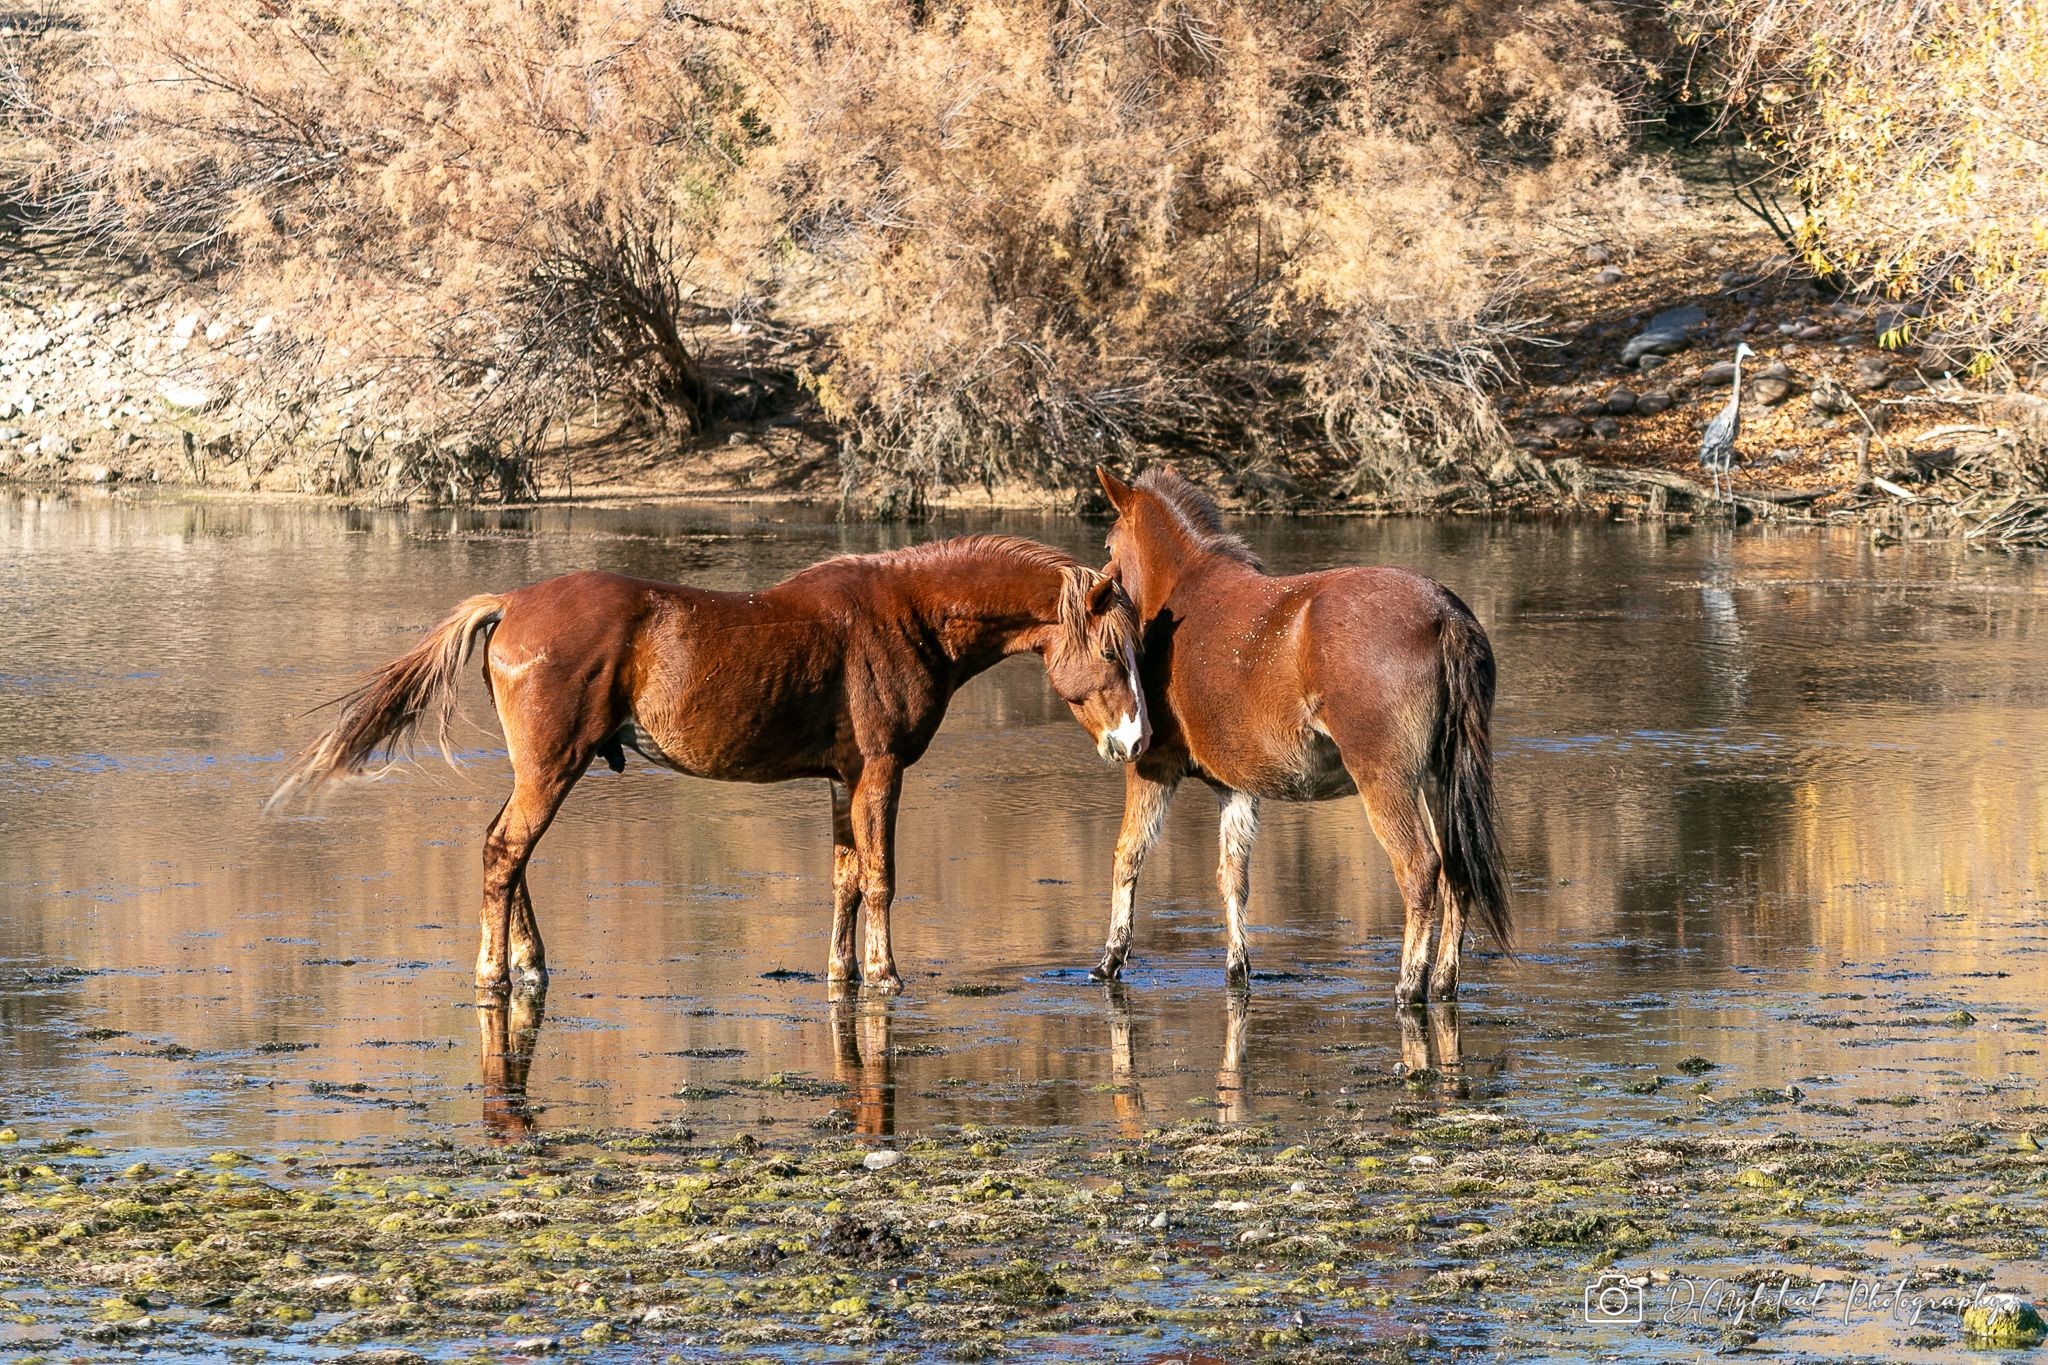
{"x":1376,"y":682}
{"x":842,"y":671}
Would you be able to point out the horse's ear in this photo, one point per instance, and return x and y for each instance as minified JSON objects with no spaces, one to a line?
{"x":1102,"y":596}
{"x":1119,"y":492}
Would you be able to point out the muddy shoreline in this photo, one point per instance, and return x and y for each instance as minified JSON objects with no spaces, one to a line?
{"x":1451,"y":1229}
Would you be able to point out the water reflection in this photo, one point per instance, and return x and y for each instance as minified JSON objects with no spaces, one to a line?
{"x":1774,"y":802}
{"x":860,"y":1036}
{"x":508,"y":1031}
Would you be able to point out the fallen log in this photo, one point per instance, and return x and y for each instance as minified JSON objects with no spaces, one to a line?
{"x":1678,"y":483}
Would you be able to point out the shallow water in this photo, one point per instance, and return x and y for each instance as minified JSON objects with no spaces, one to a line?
{"x":1773,"y":801}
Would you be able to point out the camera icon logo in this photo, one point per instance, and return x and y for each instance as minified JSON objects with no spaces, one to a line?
{"x":1614,"y":1298}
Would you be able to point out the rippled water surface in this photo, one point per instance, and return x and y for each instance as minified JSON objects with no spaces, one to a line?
{"x":1771,"y":801}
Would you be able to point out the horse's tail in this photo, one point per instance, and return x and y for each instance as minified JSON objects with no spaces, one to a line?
{"x":391,"y":704}
{"x":1462,"y":759}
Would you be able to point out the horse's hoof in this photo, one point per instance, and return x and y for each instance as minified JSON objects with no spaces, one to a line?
{"x":1106,"y":970}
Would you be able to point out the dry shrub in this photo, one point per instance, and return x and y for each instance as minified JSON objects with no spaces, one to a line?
{"x":469,"y":214}
{"x":1028,"y":232}
{"x":1912,"y":133}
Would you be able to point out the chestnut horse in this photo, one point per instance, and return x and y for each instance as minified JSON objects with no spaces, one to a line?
{"x":1369,"y":681}
{"x":842,"y":671}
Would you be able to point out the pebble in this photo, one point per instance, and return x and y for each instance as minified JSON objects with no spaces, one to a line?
{"x":881,"y":1161}
{"x":1611,"y":275}
{"x":1653,"y":402}
{"x":1620,"y":401}
{"x":1160,"y":1222}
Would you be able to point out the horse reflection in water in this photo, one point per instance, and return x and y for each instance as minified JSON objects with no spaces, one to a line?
{"x":860,"y":1055}
{"x":507,"y":1033}
{"x":1233,"y":1077}
{"x":1432,"y":1052}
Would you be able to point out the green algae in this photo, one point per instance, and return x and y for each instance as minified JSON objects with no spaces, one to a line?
{"x":979,"y":1244}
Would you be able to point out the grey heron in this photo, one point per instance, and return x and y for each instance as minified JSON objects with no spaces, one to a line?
{"x":1717,"y":446}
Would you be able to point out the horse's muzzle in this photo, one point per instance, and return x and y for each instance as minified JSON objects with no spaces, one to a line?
{"x":1125,"y":742}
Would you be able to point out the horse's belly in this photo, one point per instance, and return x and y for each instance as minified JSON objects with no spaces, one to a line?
{"x":733,"y":757}
{"x":1312,"y":771}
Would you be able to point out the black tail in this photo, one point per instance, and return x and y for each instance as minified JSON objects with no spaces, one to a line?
{"x":1463,"y":767}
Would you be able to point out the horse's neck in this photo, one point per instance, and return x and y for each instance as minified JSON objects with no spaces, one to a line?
{"x":1170,"y":562}
{"x":981,"y":613}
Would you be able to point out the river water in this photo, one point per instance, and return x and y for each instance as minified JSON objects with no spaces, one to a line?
{"x":1774,"y":804}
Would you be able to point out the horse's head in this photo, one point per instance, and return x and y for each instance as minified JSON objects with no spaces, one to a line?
{"x":1164,"y":526}
{"x":1093,"y":663}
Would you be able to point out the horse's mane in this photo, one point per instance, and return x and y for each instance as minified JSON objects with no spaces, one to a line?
{"x":1120,"y":625}
{"x":1198,"y":513}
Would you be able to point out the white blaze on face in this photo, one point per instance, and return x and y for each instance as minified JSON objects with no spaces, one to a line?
{"x":1130,"y":731}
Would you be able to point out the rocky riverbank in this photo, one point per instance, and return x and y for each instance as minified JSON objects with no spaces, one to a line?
{"x":111,"y":375}
{"x":1450,"y":1231}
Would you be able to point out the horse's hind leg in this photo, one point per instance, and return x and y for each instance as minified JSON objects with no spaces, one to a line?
{"x":537,"y":794}
{"x":548,"y":755}
{"x":529,"y":968}
{"x":1240,"y":827}
{"x":1450,"y":943}
{"x":1401,"y":824}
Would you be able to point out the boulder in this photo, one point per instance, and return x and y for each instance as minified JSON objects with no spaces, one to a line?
{"x":189,"y":396}
{"x":1562,"y":428}
{"x":1771,"y":390}
{"x":1830,"y":398}
{"x":1620,"y":401}
{"x":1653,"y":402}
{"x":54,"y":446}
{"x":1669,"y":331}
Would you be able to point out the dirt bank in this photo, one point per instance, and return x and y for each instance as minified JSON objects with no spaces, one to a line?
{"x":115,"y":375}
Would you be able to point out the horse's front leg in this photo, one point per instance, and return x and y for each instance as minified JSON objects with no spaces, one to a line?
{"x":845,"y":887}
{"x":1240,"y":827}
{"x":875,"y":795}
{"x":1146,"y":797}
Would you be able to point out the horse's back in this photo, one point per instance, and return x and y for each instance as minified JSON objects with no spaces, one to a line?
{"x":1279,"y":684}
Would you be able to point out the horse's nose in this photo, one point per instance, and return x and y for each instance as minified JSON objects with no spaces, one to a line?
{"x":1125,"y":741}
